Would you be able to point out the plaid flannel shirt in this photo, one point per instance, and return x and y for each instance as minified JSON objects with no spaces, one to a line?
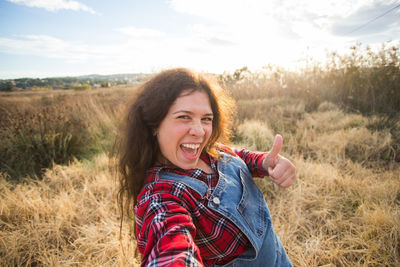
{"x":175,"y":227}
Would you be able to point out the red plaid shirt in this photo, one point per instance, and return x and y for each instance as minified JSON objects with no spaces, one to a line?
{"x":175,"y":227}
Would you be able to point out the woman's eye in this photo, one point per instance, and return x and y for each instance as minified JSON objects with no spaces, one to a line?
{"x":208,"y":119}
{"x":183,"y":117}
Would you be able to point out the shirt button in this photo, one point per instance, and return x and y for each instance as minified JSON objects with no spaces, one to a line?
{"x":216,"y":201}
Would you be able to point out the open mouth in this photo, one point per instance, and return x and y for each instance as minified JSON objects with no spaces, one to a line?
{"x":190,"y":151}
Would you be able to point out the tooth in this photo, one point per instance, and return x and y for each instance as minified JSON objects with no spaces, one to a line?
{"x":191,"y":146}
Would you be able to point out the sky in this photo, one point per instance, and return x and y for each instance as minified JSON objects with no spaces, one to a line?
{"x":53,"y":38}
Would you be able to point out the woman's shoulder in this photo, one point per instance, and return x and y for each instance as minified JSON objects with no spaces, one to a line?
{"x":225,"y":149}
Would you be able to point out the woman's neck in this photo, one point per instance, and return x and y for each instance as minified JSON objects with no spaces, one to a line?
{"x":204,"y":167}
{"x":161,"y":161}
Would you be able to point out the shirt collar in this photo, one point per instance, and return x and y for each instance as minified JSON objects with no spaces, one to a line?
{"x":153,"y":174}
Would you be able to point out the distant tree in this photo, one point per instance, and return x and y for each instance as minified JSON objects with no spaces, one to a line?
{"x":239,"y":74}
{"x":7,"y":86}
{"x":105,"y":84}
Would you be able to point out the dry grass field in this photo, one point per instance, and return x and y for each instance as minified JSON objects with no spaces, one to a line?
{"x":344,"y":209}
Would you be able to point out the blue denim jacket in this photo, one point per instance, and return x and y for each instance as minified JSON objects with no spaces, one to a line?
{"x":238,"y":198}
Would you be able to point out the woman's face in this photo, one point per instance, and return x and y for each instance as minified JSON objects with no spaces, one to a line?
{"x":186,"y":129}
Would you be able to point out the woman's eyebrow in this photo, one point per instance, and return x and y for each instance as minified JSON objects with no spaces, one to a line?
{"x":182,"y":111}
{"x":190,"y":112}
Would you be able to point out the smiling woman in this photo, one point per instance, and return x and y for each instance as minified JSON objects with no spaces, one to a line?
{"x":185,"y":130}
{"x":195,"y":201}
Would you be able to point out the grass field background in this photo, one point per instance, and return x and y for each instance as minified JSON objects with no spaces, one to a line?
{"x":58,"y":193}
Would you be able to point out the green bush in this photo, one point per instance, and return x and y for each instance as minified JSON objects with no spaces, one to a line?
{"x":81,"y":87}
{"x":35,"y":139}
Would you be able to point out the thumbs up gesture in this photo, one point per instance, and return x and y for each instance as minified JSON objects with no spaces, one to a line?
{"x":280,"y":169}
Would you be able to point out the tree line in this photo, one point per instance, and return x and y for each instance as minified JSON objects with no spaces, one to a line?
{"x":70,"y":82}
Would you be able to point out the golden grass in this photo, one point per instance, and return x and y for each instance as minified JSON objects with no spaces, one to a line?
{"x":37,"y":130}
{"x":68,"y":218}
{"x":255,"y":135}
{"x":344,"y":209}
{"x":343,"y":217}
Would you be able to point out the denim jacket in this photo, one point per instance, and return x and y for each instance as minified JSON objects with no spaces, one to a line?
{"x":238,"y":198}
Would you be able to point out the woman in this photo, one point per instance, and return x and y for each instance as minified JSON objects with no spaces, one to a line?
{"x":195,"y":201}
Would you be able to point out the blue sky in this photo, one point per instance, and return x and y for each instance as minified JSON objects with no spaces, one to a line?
{"x":47,"y":38}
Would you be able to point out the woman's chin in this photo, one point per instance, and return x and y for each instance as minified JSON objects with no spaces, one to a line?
{"x":187,"y":164}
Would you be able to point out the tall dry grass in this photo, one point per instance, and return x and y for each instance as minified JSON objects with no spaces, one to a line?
{"x":69,"y":218}
{"x":362,"y":80}
{"x":344,"y":209}
{"x":38,"y":130}
{"x":333,"y":216}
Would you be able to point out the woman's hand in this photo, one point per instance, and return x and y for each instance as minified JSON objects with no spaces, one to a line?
{"x":281,"y":170}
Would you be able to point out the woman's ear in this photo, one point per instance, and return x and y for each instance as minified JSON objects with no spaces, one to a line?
{"x":155,"y":132}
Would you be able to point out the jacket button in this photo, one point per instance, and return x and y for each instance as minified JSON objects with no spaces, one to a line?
{"x":216,"y":201}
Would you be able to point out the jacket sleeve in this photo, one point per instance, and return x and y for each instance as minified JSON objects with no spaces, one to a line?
{"x":165,"y":232}
{"x":253,"y":160}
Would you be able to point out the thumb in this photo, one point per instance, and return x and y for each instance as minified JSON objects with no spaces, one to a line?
{"x":272,"y":157}
{"x":276,"y":147}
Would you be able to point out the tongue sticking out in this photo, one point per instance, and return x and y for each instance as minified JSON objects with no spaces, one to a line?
{"x":189,"y":152}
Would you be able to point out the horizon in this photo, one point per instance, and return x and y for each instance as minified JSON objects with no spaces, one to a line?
{"x":65,"y":38}
{"x":79,"y":76}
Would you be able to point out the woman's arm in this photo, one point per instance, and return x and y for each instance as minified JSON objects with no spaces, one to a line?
{"x":280,"y":170}
{"x":253,"y":160}
{"x":165,"y":232}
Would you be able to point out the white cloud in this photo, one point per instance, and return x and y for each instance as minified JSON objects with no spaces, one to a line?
{"x":140,"y":32}
{"x":129,"y":56}
{"x":24,"y":72}
{"x":48,"y":47}
{"x":55,"y":5}
{"x":233,"y":34}
{"x":274,"y":17}
{"x":276,"y":31}
{"x":242,"y":11}
{"x":147,"y":53}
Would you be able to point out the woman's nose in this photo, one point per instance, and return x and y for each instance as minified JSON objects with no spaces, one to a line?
{"x":196,"y":130}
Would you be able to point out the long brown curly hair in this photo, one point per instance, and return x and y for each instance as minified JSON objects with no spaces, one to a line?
{"x":138,"y":148}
